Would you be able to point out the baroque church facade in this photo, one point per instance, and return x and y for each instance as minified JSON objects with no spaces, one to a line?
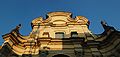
{"x":60,"y":35}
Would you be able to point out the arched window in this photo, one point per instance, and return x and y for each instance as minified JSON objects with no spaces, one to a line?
{"x":74,"y":34}
{"x":59,"y":35}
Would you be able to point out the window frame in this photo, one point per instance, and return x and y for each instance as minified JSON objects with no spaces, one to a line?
{"x":61,"y":34}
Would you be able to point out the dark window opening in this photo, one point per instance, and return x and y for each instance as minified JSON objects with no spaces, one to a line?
{"x":74,"y":34}
{"x":59,"y":35}
{"x":60,"y":55}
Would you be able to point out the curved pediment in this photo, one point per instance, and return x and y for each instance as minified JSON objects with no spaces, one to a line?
{"x":81,"y":19}
{"x":38,"y":20}
{"x":59,"y":18}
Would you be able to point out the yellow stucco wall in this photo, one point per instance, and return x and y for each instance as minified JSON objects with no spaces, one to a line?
{"x":59,"y":22}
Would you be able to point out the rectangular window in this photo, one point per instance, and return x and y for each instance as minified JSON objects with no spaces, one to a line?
{"x":74,"y":34}
{"x":59,"y":35}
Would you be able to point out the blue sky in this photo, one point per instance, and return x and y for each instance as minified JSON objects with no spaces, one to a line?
{"x":14,"y":12}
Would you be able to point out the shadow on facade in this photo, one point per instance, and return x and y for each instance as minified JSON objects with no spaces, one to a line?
{"x":75,"y":43}
{"x":60,"y":55}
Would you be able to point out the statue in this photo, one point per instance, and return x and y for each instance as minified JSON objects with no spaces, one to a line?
{"x":17,"y":28}
{"x":104,"y":24}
